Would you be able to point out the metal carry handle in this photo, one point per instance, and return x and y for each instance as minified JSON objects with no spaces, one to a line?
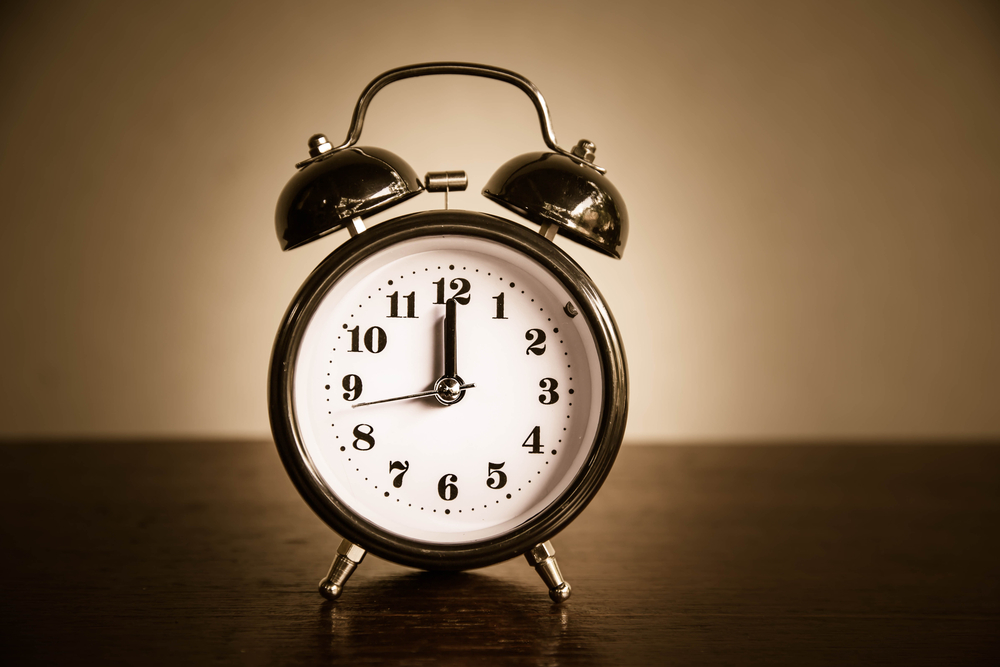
{"x":468,"y":69}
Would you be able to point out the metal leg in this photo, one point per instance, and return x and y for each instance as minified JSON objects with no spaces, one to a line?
{"x":349,"y":556}
{"x":543,"y":559}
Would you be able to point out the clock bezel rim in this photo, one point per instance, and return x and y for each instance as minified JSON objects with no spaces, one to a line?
{"x":545,"y":524}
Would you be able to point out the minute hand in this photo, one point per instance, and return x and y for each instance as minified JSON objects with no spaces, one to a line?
{"x":422,"y":394}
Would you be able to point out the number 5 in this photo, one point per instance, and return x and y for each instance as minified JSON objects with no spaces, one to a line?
{"x":500,"y":480}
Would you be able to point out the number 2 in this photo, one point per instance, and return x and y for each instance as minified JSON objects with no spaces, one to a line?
{"x":537,"y":339}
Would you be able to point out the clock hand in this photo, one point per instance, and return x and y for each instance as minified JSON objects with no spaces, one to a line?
{"x":447,"y":390}
{"x":450,"y":339}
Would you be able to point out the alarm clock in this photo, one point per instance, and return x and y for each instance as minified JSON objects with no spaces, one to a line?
{"x":448,"y":389}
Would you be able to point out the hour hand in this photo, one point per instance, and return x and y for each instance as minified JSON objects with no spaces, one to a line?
{"x":450,"y":339}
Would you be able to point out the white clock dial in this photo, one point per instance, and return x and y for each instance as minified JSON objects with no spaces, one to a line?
{"x":417,"y":467}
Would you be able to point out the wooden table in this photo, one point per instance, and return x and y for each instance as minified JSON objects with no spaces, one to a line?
{"x":203,"y":553}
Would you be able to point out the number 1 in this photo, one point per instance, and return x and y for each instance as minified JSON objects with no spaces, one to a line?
{"x":499,"y":300}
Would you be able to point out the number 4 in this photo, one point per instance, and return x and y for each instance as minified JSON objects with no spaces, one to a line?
{"x":534,"y":440}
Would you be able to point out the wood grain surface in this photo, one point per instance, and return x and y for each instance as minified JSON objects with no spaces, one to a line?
{"x":203,"y":553}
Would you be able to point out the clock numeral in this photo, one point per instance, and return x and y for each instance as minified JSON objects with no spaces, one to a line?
{"x":446,"y":489}
{"x":534,"y":441}
{"x":537,"y":339}
{"x":461,"y":296}
{"x":361,"y":435}
{"x":352,"y":385}
{"x":499,"y":299}
{"x":375,"y":339}
{"x":550,"y":396}
{"x":411,"y":304}
{"x":398,"y":465}
{"x":500,"y":480}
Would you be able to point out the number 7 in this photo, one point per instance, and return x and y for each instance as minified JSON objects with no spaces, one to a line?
{"x":398,"y":465}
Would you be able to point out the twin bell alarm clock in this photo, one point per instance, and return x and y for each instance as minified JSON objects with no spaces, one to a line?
{"x":448,"y":389}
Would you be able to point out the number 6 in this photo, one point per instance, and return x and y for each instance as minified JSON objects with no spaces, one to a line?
{"x":446,"y":490}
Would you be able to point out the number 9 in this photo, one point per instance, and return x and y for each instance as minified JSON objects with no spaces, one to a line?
{"x":353,"y":385}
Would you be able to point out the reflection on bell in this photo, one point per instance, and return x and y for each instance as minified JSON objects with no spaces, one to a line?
{"x":554,"y":188}
{"x":340,"y":185}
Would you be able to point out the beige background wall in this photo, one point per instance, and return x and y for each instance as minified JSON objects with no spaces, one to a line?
{"x":814,"y":189}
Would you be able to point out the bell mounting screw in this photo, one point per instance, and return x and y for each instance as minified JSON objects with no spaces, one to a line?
{"x":585,"y":149}
{"x":319,"y":144}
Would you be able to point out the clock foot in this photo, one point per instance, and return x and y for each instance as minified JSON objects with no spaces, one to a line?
{"x":543,"y":559}
{"x":349,"y":556}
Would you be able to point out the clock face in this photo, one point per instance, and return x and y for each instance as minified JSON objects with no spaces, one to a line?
{"x":508,"y":373}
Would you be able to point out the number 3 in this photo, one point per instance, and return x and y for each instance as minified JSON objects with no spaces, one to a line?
{"x":548,"y":385}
